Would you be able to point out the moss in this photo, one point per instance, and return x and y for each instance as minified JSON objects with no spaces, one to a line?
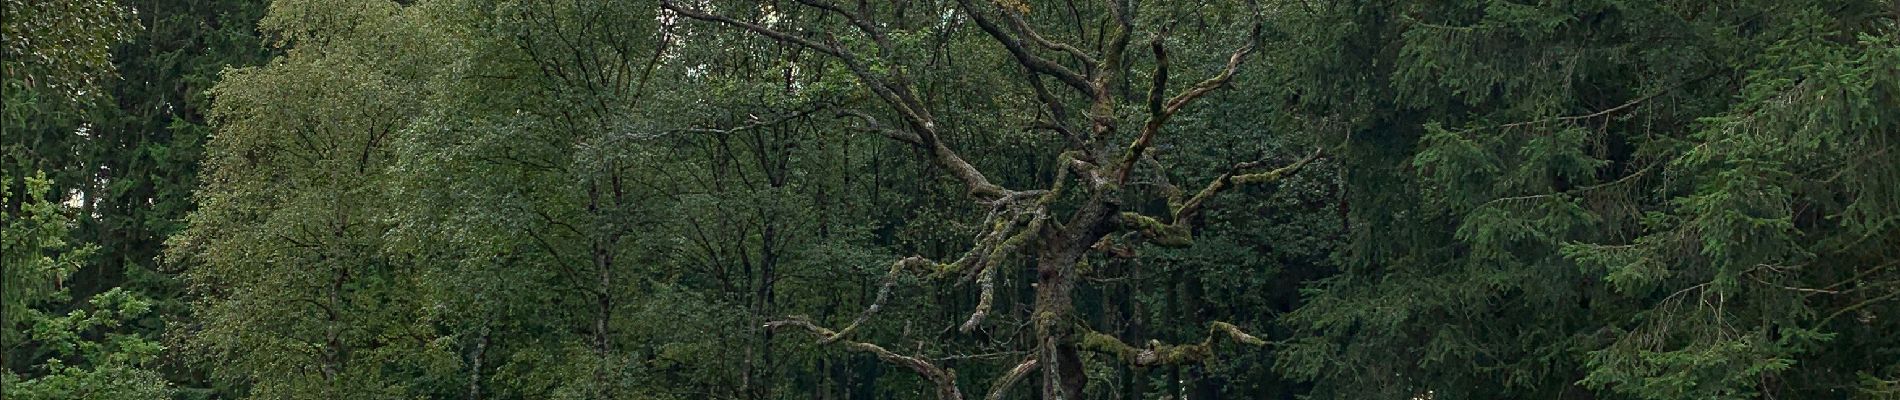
{"x":943,"y":269}
{"x":1234,"y":332}
{"x":1264,"y":177}
{"x":1099,"y":342}
{"x":1166,"y":235}
{"x":1016,"y":241}
{"x":1183,"y":354}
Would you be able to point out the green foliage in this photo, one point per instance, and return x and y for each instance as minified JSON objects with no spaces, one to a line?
{"x":37,"y":256}
{"x":61,"y":48}
{"x":579,"y":199}
{"x":105,"y":98}
{"x":1633,"y":213}
{"x":114,"y":366}
{"x":54,"y":60}
{"x":78,"y":362}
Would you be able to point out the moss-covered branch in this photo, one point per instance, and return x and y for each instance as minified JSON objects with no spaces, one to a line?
{"x":1179,"y":230}
{"x":1158,"y":354}
{"x":986,"y":279}
{"x":1159,"y":111}
{"x":913,"y":263}
{"x":1013,"y":221}
{"x":1160,"y":233}
{"x":1235,"y":176}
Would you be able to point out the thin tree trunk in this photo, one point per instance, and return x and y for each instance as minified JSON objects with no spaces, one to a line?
{"x":604,"y":302}
{"x":603,"y":342}
{"x":475,"y":365}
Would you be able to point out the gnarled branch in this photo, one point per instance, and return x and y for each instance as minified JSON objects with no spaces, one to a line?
{"x":987,"y":277}
{"x":1016,"y":21}
{"x":1027,"y":59}
{"x":1013,"y":220}
{"x":1058,"y":113}
{"x":1159,"y":111}
{"x":871,"y":125}
{"x":893,"y":88}
{"x":860,"y":20}
{"x":944,"y":379}
{"x":912,"y":263}
{"x":1178,"y":231}
{"x":1011,"y":377}
{"x":1158,"y":354}
{"x":781,"y":36}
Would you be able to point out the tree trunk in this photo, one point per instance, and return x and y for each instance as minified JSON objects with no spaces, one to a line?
{"x":1062,"y":373}
{"x":475,"y":365}
{"x":1063,"y":376}
{"x":603,"y":345}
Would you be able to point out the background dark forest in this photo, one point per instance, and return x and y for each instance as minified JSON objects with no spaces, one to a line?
{"x":916,"y":199}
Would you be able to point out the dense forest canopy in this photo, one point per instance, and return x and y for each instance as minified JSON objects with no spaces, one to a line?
{"x":950,"y":199}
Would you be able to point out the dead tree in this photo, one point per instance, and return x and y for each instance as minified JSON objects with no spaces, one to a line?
{"x":1097,"y":158}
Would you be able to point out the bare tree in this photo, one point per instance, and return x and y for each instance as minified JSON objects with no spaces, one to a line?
{"x":1021,"y":220}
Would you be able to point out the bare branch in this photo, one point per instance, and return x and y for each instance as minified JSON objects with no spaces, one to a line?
{"x":1029,"y":60}
{"x":1159,"y":112}
{"x":1178,"y":231}
{"x":861,"y":21}
{"x":1016,"y":21}
{"x":871,"y":125}
{"x":1058,"y":113}
{"x":883,"y":292}
{"x":1010,"y":378}
{"x":892,"y":88}
{"x":756,"y":123}
{"x":945,"y":380}
{"x":755,"y":28}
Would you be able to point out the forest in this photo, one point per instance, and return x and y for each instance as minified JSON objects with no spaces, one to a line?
{"x":950,"y":199}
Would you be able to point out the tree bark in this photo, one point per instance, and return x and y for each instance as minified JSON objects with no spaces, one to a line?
{"x":1063,"y":374}
{"x":1054,"y":306}
{"x":475,"y":365}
